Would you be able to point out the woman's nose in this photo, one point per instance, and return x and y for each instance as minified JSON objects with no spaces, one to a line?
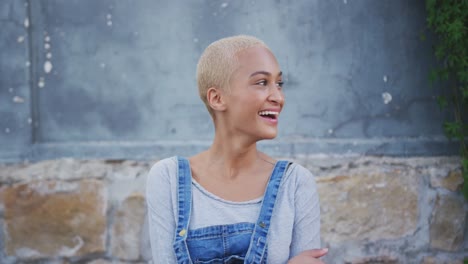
{"x":276,"y":95}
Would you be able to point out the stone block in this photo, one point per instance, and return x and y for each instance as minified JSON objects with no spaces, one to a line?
{"x":447,"y":223}
{"x":127,"y":228}
{"x":374,"y":260}
{"x":452,"y":181}
{"x":368,"y":206}
{"x":65,"y":169}
{"x":55,"y":219}
{"x":434,"y":260}
{"x":99,"y":261}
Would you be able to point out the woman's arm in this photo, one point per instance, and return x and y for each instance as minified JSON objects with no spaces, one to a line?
{"x":160,"y":212}
{"x":306,"y":231}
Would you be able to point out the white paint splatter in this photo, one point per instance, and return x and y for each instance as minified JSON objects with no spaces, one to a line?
{"x":330,"y":131}
{"x":20,"y":39}
{"x":7,"y":130}
{"x":47,"y":39}
{"x":345,"y":2}
{"x":195,"y":40}
{"x":10,"y":90}
{"x":47,"y":46}
{"x":47,"y":66}
{"x":18,"y":100}
{"x":29,"y":120}
{"x":26,"y":22}
{"x":387,"y":98}
{"x":49,"y":55}
{"x":385,"y":79}
{"x":109,"y":21}
{"x":41,"y":82}
{"x":224,"y":5}
{"x":103,"y":65}
{"x":28,"y":63}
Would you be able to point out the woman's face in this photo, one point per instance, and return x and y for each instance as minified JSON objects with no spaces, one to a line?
{"x":256,"y":98}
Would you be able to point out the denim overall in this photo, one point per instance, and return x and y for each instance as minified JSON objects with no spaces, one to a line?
{"x":223,"y":244}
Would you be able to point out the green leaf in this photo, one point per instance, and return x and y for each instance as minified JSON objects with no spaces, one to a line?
{"x":440,"y":52}
{"x":455,"y":30}
{"x":442,"y":102}
{"x":464,"y":91}
{"x":433,"y":76}
{"x":463,"y":76}
{"x":465,"y":167}
{"x":444,"y":74}
{"x":465,"y":178}
{"x":422,"y":36}
{"x":452,"y":129}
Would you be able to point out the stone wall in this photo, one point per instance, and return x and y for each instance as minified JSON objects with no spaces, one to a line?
{"x":374,"y":210}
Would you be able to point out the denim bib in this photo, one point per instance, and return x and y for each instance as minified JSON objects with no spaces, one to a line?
{"x":223,"y":244}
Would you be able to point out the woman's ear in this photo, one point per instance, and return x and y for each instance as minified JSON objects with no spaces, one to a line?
{"x":215,"y":98}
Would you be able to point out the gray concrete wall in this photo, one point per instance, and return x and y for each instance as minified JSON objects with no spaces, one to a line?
{"x":116,"y":79}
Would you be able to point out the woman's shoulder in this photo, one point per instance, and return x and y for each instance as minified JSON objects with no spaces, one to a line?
{"x":300,"y":186}
{"x":299,"y":175}
{"x":165,"y":168}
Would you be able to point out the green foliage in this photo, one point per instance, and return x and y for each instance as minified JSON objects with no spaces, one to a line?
{"x":465,"y":176}
{"x":448,"y":19}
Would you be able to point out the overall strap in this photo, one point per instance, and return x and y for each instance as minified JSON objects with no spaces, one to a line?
{"x":259,"y":236}
{"x":184,"y":199}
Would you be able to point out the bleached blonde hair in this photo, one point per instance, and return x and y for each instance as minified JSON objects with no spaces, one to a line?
{"x":219,"y":61}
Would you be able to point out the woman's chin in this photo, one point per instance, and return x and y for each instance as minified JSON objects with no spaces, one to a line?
{"x":269,"y":136}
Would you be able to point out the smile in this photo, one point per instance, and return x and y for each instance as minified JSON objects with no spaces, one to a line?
{"x":269,"y":114}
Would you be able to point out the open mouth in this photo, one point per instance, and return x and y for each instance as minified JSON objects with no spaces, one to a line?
{"x":272,"y":115}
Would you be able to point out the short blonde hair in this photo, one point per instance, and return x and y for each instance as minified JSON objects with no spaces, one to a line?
{"x":219,"y":61}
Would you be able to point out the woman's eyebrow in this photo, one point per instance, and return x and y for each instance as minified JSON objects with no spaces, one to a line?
{"x":265,"y":73}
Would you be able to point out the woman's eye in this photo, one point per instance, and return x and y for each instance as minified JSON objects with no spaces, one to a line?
{"x":280,"y":84}
{"x":262,"y":82}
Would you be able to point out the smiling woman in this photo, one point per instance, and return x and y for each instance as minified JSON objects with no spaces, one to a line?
{"x":233,"y":203}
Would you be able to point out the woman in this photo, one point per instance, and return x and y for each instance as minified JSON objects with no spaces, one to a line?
{"x":233,"y":203}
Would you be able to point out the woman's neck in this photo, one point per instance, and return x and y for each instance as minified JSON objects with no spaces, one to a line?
{"x":232,"y":155}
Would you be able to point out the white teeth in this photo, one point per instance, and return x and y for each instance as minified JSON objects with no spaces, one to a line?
{"x":268,"y":113}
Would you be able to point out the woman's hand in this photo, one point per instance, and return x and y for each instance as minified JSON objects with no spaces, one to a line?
{"x":309,"y":257}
